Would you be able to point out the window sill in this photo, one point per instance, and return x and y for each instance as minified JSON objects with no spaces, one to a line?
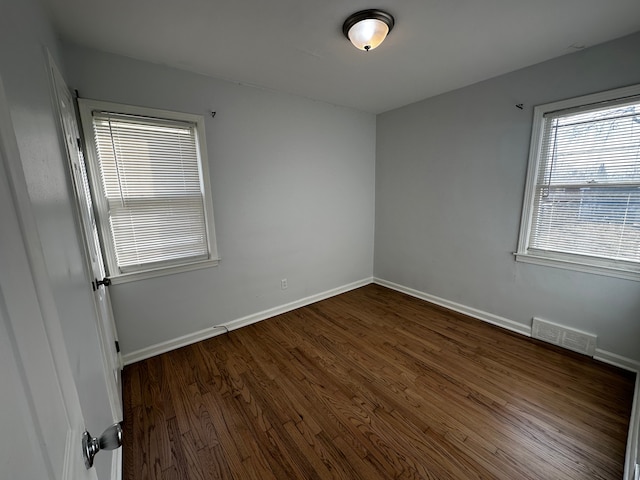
{"x":161,"y":272}
{"x":569,"y":264}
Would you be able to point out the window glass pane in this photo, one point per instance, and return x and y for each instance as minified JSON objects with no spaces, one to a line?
{"x":151,"y":180}
{"x":595,"y":221}
{"x":587,"y":194}
{"x":593,"y":147}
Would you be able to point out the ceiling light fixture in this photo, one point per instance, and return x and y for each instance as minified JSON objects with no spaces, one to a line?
{"x":368,"y":29}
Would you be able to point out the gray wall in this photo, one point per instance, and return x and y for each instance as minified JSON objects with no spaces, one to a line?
{"x":450,"y":176}
{"x":25,"y":31}
{"x":293,"y":196}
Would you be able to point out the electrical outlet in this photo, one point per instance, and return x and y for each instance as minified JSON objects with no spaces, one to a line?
{"x":283,"y":284}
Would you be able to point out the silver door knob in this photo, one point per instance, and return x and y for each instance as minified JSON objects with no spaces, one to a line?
{"x":110,"y":439}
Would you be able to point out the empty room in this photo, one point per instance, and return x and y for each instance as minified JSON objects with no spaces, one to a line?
{"x":320,"y":240}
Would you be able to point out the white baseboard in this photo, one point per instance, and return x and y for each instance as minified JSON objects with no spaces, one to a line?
{"x":633,"y":445}
{"x":607,"y":357}
{"x":172,"y":344}
{"x":601,"y":355}
{"x":457,"y":307}
{"x":215,"y":330}
{"x":617,"y":360}
{"x":633,"y":440}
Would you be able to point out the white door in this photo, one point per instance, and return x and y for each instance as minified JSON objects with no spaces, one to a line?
{"x":95,"y":265}
{"x":40,"y":415}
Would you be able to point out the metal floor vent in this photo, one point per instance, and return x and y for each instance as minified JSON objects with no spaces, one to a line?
{"x":564,"y":337}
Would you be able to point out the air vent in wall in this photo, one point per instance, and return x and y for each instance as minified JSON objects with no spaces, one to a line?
{"x":564,"y":337}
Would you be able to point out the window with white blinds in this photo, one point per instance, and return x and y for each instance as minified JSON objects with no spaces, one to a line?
{"x":147,"y":170}
{"x":583,"y":205}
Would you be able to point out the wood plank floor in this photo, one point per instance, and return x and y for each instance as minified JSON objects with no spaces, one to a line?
{"x":373,"y":384}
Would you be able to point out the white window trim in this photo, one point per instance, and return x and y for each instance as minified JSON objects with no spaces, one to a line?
{"x":86,"y":107}
{"x":579,"y":263}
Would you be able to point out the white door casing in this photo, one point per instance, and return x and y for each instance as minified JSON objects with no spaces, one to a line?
{"x":41,"y":402}
{"x":93,"y":254}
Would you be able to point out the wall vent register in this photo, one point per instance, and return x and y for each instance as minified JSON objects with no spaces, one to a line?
{"x":562,"y":336}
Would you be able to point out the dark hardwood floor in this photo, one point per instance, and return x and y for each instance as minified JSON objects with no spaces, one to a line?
{"x":373,"y":384}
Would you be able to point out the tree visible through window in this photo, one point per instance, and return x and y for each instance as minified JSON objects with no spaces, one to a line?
{"x":583,"y":205}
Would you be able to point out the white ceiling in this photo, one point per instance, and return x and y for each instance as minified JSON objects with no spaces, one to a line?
{"x":297,"y":46}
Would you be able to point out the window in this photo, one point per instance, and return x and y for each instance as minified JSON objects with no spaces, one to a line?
{"x":582,"y":203}
{"x":151,"y":189}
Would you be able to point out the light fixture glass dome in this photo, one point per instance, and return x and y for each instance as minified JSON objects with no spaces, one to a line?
{"x":368,"y":34}
{"x":368,"y":29}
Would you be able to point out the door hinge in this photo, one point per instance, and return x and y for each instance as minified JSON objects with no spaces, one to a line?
{"x":117,"y":347}
{"x":106,"y":281}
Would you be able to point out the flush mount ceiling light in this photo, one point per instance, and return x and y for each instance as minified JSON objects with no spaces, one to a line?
{"x":368,"y":29}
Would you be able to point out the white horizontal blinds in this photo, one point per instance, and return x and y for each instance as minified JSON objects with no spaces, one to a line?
{"x":151,"y":180}
{"x":587,"y":198}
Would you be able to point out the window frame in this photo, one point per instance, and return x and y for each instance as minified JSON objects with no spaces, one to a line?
{"x":577,"y":262}
{"x":86,"y":108}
